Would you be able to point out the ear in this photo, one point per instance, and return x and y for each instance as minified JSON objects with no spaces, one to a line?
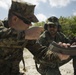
{"x":14,"y":19}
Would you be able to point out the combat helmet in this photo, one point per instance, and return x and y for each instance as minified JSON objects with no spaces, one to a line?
{"x":54,"y":20}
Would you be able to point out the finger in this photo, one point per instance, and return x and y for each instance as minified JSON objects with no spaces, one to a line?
{"x":61,"y":44}
{"x":65,"y":45}
{"x":63,"y":57}
{"x":68,"y":44}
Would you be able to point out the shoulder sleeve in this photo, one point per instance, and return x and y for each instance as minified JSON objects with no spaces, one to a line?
{"x":1,"y":24}
{"x":3,"y":29}
{"x":43,"y":40}
{"x":42,"y":53}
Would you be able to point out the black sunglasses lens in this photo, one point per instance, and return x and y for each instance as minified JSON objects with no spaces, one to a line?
{"x":52,"y":26}
{"x":23,"y":19}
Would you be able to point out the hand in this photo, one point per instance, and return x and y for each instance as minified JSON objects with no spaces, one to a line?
{"x":66,"y":45}
{"x":33,"y":33}
{"x":74,"y":43}
{"x":63,"y":56}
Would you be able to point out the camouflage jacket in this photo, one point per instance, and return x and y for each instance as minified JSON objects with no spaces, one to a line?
{"x":45,"y":39}
{"x":12,"y":44}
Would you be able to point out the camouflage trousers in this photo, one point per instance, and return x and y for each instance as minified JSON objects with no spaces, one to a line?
{"x":9,"y":65}
{"x":11,"y":68}
{"x":52,"y":71}
{"x":49,"y":71}
{"x":74,"y":64}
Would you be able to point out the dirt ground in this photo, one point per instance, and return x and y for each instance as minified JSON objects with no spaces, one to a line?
{"x":66,"y":69}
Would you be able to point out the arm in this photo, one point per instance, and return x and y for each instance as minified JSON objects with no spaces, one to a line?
{"x":68,"y":51}
{"x":42,"y":53}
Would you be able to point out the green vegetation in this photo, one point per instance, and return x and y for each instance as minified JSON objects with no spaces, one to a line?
{"x":68,"y":25}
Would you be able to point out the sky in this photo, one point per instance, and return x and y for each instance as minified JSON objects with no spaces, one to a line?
{"x":44,"y":8}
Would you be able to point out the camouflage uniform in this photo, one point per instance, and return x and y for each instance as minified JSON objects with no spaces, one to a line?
{"x":45,"y":39}
{"x":55,"y":19}
{"x":11,"y":51}
{"x":13,"y":42}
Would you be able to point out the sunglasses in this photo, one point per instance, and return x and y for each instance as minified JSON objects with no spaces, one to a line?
{"x":23,"y":19}
{"x":52,"y":26}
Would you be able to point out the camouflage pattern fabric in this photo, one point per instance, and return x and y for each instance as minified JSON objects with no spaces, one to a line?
{"x":51,"y":68}
{"x":41,"y":53}
{"x":11,"y":51}
{"x":12,"y":42}
{"x":24,"y":9}
{"x":45,"y":39}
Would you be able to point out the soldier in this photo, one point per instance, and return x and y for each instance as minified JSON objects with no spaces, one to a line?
{"x":13,"y":39}
{"x":51,"y":34}
{"x":20,"y":16}
{"x":54,"y":19}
